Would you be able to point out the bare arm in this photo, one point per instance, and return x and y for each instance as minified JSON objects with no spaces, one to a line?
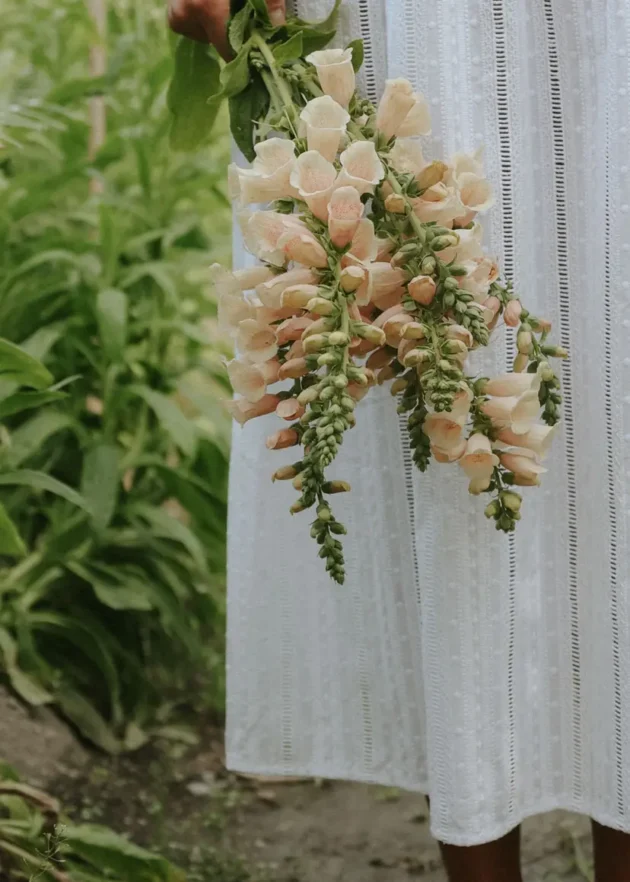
{"x":206,"y":20}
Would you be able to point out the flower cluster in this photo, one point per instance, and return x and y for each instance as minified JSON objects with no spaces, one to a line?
{"x":371,"y":271}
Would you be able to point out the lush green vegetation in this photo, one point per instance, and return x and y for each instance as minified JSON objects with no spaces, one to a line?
{"x":111,"y":597}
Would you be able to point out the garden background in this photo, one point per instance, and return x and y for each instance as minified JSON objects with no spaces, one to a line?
{"x":113,"y":492}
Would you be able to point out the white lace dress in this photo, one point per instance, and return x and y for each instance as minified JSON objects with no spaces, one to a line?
{"x":491,"y":673}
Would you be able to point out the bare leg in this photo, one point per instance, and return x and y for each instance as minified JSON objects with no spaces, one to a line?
{"x":612,"y":854}
{"x":497,"y":861}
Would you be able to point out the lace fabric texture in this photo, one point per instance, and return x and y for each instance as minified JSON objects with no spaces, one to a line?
{"x":493,"y":674}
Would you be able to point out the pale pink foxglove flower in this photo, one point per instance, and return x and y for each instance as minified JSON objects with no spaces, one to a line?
{"x":406,"y":156}
{"x":453,"y":454}
{"x":290,"y":409}
{"x":476,"y":195}
{"x":268,"y":177}
{"x":468,"y":247}
{"x":283,"y":438}
{"x":302,"y":247}
{"x":364,"y":243}
{"x":385,"y":316}
{"x":360,"y":167}
{"x":518,"y":413}
{"x":482,"y":272}
{"x":344,"y":213}
{"x":459,"y":332}
{"x":293,"y":368}
{"x":394,"y":326}
{"x":396,"y":203}
{"x":243,"y":410}
{"x":314,"y":179}
{"x":335,"y":72}
{"x":384,"y":287}
{"x":479,"y":462}
{"x":226,"y":282}
{"x":461,"y":163}
{"x":298,"y":296}
{"x":292,"y":329}
{"x":352,"y":278}
{"x":256,"y":342}
{"x":324,"y":122}
{"x":462,"y":402}
{"x":271,"y":290}
{"x":439,"y":204}
{"x":512,"y":384}
{"x":262,"y":231}
{"x":538,"y":439}
{"x":512,"y":313}
{"x":523,"y":463}
{"x":422,"y":290}
{"x":396,"y":102}
{"x":418,"y":119}
{"x":232,"y":310}
{"x":251,"y":380}
{"x":443,"y":430}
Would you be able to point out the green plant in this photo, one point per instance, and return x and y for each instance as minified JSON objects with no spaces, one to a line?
{"x":37,"y":843}
{"x":116,"y":605}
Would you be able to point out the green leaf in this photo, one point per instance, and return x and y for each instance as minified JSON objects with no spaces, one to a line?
{"x":42,"y":481}
{"x":235,"y":75}
{"x":107,"y":851}
{"x":196,"y":79}
{"x":21,"y":401}
{"x":179,"y":427}
{"x":87,"y":719}
{"x":260,"y":9}
{"x":27,"y":688}
{"x":237,"y":28}
{"x":111,"y":314}
{"x":31,"y":435}
{"x":41,"y":342}
{"x":18,"y":365}
{"x":84,"y":87}
{"x":100,"y":482}
{"x":246,"y":109}
{"x":289,"y":51}
{"x":357,"y":53}
{"x":163,"y":524}
{"x":11,"y":542}
{"x":112,"y":587}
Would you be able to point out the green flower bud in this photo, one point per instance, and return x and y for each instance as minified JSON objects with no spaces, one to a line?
{"x":315,"y":343}
{"x":320,"y":306}
{"x":450,"y":285}
{"x":340,"y":381}
{"x":336,"y":487}
{"x":327,"y":358}
{"x":511,"y":500}
{"x":285,"y":473}
{"x":347,"y":403}
{"x":492,"y":509}
{"x":428,"y":266}
{"x":307,"y":396}
{"x":324,"y":513}
{"x":442,"y":242}
{"x":338,"y":338}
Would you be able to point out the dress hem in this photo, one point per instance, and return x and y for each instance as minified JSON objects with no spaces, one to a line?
{"x":556,"y":803}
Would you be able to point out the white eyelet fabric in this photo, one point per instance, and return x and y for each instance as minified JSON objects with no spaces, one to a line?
{"x":490,"y":673}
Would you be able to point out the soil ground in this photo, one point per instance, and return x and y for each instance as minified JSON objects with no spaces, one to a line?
{"x":177,"y":797}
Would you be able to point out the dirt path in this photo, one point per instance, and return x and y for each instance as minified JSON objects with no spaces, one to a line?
{"x":179,"y":799}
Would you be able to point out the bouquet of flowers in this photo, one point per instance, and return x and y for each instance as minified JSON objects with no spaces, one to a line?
{"x":371,"y":271}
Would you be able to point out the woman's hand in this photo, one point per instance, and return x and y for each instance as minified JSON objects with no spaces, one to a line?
{"x":206,"y":20}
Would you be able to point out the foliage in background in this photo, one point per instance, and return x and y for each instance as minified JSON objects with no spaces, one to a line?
{"x":39,"y":845}
{"x":112,"y":608}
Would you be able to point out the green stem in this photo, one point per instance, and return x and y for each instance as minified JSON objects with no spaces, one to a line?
{"x":283,"y":89}
{"x":415,"y":222}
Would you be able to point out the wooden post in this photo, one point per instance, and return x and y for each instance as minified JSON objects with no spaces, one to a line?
{"x":98,"y":65}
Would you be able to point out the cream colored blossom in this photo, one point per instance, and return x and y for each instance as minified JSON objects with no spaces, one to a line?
{"x":438,"y":204}
{"x":251,"y":380}
{"x":512,"y":313}
{"x":262,"y":231}
{"x":401,"y":111}
{"x":512,"y":384}
{"x":468,"y":247}
{"x":344,"y":213}
{"x":523,"y":463}
{"x":479,"y":461}
{"x":323,"y":122}
{"x":517,"y":413}
{"x":459,"y":332}
{"x":283,"y":438}
{"x":462,"y":402}
{"x":268,"y":177}
{"x":233,"y":309}
{"x":289,"y":409}
{"x":298,"y":296}
{"x":256,"y":342}
{"x":406,"y":156}
{"x":418,"y":119}
{"x":443,"y":430}
{"x":301,"y":246}
{"x":450,"y":455}
{"x":538,"y":439}
{"x":422,"y":290}
{"x":364,"y":242}
{"x":360,"y":167}
{"x":481,"y":273}
{"x":271,"y":290}
{"x":335,"y":72}
{"x":314,"y":177}
{"x":243,"y":410}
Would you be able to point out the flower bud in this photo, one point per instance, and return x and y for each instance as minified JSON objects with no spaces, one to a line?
{"x":428,"y":266}
{"x":527,"y":481}
{"x":555,"y":351}
{"x":297,"y":296}
{"x":520,"y":363}
{"x":338,"y":338}
{"x":512,"y":313}
{"x":336,"y":487}
{"x":492,"y":509}
{"x":546,"y":372}
{"x":371,"y":333}
{"x":292,"y":369}
{"x":289,"y":409}
{"x":351,"y":278}
{"x":340,"y":381}
{"x":417,"y":357}
{"x":326,"y":358}
{"x":315,"y":343}
{"x":319,"y":326}
{"x":431,"y":174}
{"x":297,"y":507}
{"x":455,"y":347}
{"x":324,"y":513}
{"x":442,"y":242}
{"x":298,"y":482}
{"x":414,"y":331}
{"x":378,"y":359}
{"x":524,"y":342}
{"x":308,"y":395}
{"x":283,"y":438}
{"x":320,"y":306}
{"x":422,"y":290}
{"x":285,"y":473}
{"x":396,"y":203}
{"x":512,"y":501}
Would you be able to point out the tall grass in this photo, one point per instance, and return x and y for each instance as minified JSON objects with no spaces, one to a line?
{"x":102,"y":265}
